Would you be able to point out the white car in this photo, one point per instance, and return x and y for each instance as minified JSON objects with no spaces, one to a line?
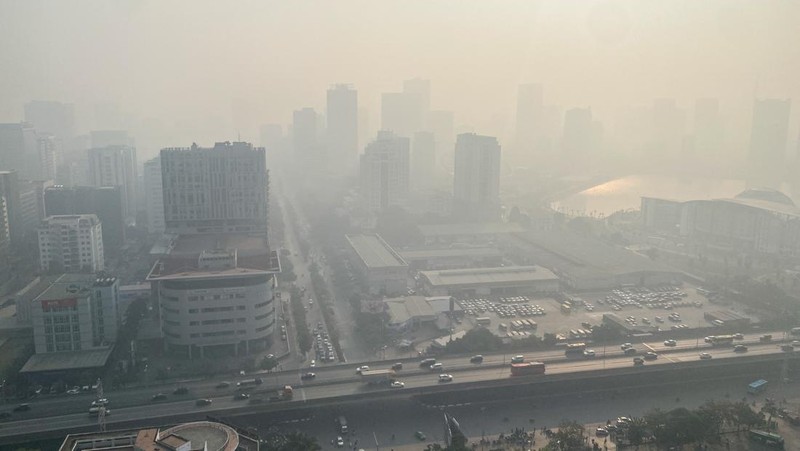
{"x":313,"y":363}
{"x":339,"y":441}
{"x":100,"y":402}
{"x":670,"y":343}
{"x":362,"y":368}
{"x":445,"y":378}
{"x":626,"y":346}
{"x":705,"y":356}
{"x":589,"y":353}
{"x":73,"y":391}
{"x":397,"y":384}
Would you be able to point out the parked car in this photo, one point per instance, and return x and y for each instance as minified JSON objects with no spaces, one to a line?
{"x":601,"y":432}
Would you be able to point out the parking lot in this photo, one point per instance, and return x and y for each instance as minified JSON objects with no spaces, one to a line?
{"x":660,"y":308}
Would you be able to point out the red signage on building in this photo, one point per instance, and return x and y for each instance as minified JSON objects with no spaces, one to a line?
{"x":59,"y":303}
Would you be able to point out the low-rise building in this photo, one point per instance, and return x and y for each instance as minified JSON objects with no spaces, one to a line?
{"x":451,"y":257}
{"x":490,"y":281}
{"x":194,"y":436}
{"x":382,"y":270}
{"x":216,"y":292}
{"x":472,"y":233}
{"x":408,"y":313}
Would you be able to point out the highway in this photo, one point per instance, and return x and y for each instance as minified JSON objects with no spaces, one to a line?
{"x":131,"y":405}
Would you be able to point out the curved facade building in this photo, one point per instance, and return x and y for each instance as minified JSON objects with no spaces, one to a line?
{"x":225,"y":300}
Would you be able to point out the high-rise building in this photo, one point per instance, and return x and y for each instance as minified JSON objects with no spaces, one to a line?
{"x":766,"y":160}
{"x":5,"y":233}
{"x":384,"y":172}
{"x":578,"y":134}
{"x":154,"y":196}
{"x":105,"y":202}
{"x":215,"y":190}
{"x":9,"y":190}
{"x":19,"y":150}
{"x":72,"y":243}
{"x":423,"y":161}
{"x":476,"y":188}
{"x":51,"y":117}
{"x":342,"y":136}
{"x":116,"y":166}
{"x":529,"y":117}
{"x":406,"y":112}
{"x":442,"y":124}
{"x":78,"y":312}
{"x":49,"y":156}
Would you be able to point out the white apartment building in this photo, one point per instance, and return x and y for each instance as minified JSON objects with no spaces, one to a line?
{"x":385,"y":172}
{"x":116,"y":166}
{"x":223,"y":189}
{"x":154,"y":196}
{"x":78,"y":312}
{"x":71,"y":243}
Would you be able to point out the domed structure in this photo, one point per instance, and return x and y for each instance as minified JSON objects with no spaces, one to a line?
{"x":765,"y":194}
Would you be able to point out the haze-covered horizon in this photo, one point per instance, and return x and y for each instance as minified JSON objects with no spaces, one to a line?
{"x":205,"y":71}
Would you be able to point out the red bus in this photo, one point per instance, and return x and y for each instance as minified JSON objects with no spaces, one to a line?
{"x":527,"y":368}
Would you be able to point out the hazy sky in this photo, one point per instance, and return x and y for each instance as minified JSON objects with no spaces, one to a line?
{"x":190,"y":64}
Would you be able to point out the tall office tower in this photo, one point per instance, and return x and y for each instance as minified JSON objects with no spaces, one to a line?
{"x":384,"y":172}
{"x":215,"y":190}
{"x":476,"y":186}
{"x":405,"y":113}
{"x":442,"y":124}
{"x":9,"y":190}
{"x":19,"y":150}
{"x":578,"y":135}
{"x":72,"y":243}
{"x":420,"y":91}
{"x":423,"y":161}
{"x":5,"y":232}
{"x":154,"y":196}
{"x":768,"y":142}
{"x":106,"y":138}
{"x":116,"y":166}
{"x":342,"y":136}
{"x":49,"y":156}
{"x":669,"y":126}
{"x":707,"y":141}
{"x":105,"y":202}
{"x":529,"y":117}
{"x":50,"y":117}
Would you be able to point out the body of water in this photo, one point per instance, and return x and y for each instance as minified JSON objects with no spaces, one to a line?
{"x":625,"y":193}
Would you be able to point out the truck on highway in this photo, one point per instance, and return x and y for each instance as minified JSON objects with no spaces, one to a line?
{"x":527,"y":368}
{"x":722,"y":340}
{"x":250,"y":382}
{"x":377,"y":376}
{"x":285,"y":394}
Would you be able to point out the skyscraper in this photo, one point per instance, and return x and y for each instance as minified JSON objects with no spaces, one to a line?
{"x":116,"y":166}
{"x":406,"y":112}
{"x":476,"y":186}
{"x":218,"y":189}
{"x":342,"y":136}
{"x":578,"y":134}
{"x":9,"y":190}
{"x":529,"y":117}
{"x":768,"y":142}
{"x":423,"y":161}
{"x":154,"y":196}
{"x":384,"y":172}
{"x":49,"y":155}
{"x":19,"y":150}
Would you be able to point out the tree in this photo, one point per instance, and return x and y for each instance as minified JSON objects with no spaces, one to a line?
{"x":570,"y":436}
{"x":745,"y":415}
{"x":478,"y":339}
{"x":292,"y":441}
{"x":269,"y":363}
{"x":637,"y":431}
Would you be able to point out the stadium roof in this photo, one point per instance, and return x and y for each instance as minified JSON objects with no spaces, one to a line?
{"x":62,"y":361}
{"x":374,"y":252}
{"x":488,"y":276}
{"x":436,"y":230}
